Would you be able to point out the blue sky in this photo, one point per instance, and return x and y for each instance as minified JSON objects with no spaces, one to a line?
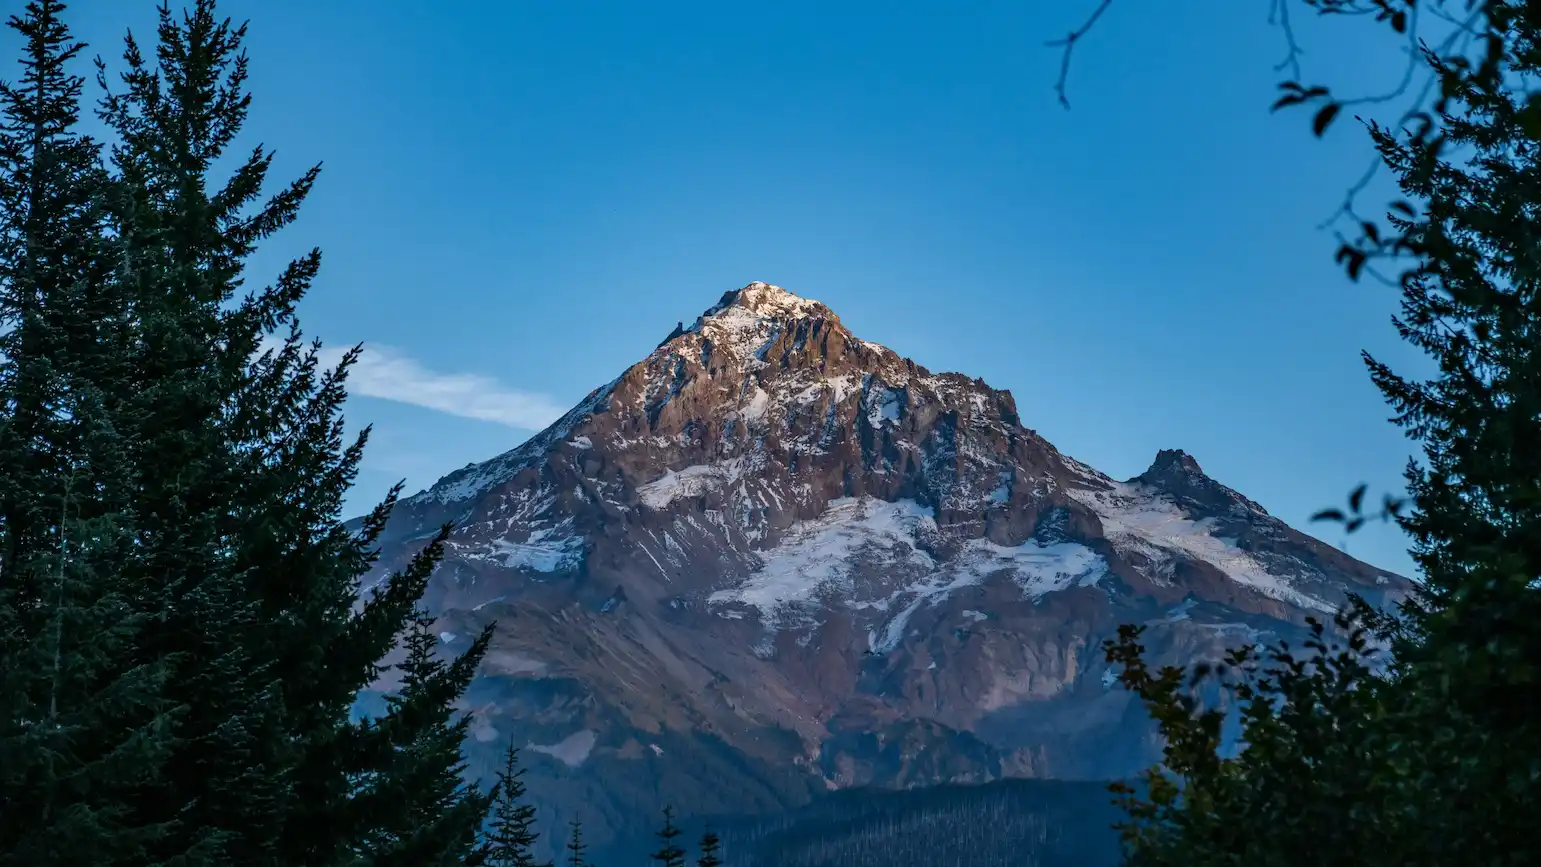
{"x":521,"y":198}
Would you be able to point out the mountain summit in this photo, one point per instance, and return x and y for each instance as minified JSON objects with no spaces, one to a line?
{"x":772,"y":558}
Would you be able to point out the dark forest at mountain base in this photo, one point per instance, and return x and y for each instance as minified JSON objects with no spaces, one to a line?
{"x":1009,"y":823}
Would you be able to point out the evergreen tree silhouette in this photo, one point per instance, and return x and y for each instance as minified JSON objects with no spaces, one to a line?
{"x":710,"y":847}
{"x":512,"y":835}
{"x":669,"y":853}
{"x":576,"y":847}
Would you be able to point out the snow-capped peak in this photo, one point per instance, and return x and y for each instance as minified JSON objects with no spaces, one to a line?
{"x":765,"y":299}
{"x":765,"y":302}
{"x":744,"y":320}
{"x":1178,"y":474}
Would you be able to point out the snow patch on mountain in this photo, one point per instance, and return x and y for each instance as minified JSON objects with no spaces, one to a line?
{"x":471,"y":480}
{"x":556,"y":547}
{"x":543,"y":551}
{"x":754,"y":410}
{"x":883,"y":405}
{"x":572,"y":750}
{"x":692,"y":481}
{"x":695,"y":481}
{"x":1037,"y":570}
{"x":748,"y":320}
{"x":822,"y":557}
{"x":1141,"y":519}
{"x":837,"y":387}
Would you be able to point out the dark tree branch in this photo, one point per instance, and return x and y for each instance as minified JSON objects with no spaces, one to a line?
{"x":1068,"y":43}
{"x":1457,"y":42}
{"x":1404,"y":16}
{"x":1348,"y":208}
{"x":1414,"y":60}
{"x":1279,"y":16}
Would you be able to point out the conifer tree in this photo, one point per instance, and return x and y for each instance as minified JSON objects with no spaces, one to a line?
{"x":575,"y":846}
{"x":239,"y":469}
{"x":1437,"y":760}
{"x":512,"y":835}
{"x":669,"y":853}
{"x":711,"y":846}
{"x":81,"y":726}
{"x":425,"y":812}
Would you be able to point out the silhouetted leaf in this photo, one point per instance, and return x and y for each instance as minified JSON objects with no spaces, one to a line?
{"x":1356,"y":499}
{"x":1294,"y":94}
{"x":1354,"y":259}
{"x":1325,"y":116}
{"x":1328,"y":515}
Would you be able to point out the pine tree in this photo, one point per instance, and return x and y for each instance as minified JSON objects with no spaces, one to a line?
{"x":575,"y":846}
{"x":81,"y":726}
{"x":425,"y":812}
{"x":239,"y":469}
{"x":1469,"y":649}
{"x":711,"y":845}
{"x":669,"y":853}
{"x":511,"y":837}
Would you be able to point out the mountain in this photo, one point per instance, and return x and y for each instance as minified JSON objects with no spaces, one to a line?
{"x":772,"y":559}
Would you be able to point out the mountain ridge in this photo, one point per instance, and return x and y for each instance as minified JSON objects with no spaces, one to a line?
{"x":778,"y":550}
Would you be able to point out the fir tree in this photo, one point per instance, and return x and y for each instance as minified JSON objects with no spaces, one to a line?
{"x":711,"y":846}
{"x":669,"y":853}
{"x":425,"y":812}
{"x":82,"y":727}
{"x":575,"y":846}
{"x":240,"y":469}
{"x":1468,"y":651}
{"x":511,"y":837}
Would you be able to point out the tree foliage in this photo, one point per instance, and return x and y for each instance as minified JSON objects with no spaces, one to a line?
{"x":83,"y":724}
{"x":669,"y":852}
{"x":1431,"y":755}
{"x":423,"y":810}
{"x":512,"y":835}
{"x":576,"y":849}
{"x":711,"y":848}
{"x":181,"y":630}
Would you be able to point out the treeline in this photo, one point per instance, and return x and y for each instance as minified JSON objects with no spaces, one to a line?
{"x":511,"y":838}
{"x":1009,"y":823}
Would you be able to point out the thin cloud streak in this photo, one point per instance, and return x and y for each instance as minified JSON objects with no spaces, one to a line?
{"x":387,"y":373}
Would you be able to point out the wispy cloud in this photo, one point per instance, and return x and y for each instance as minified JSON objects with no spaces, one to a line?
{"x":390,"y":374}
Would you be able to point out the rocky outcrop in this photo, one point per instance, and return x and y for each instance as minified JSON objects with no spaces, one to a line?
{"x":773,"y":558}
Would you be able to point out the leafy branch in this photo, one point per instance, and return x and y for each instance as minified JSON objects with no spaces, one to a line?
{"x":1355,"y":517}
{"x":1457,"y":49}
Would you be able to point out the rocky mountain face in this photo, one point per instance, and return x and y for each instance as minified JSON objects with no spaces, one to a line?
{"x":773,"y":559}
